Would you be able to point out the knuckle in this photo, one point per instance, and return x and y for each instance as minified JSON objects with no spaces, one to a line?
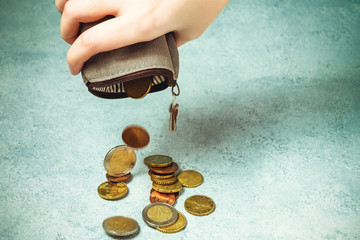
{"x":88,"y":41}
{"x":71,"y":9}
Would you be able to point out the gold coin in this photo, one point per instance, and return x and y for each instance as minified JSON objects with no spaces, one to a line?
{"x":110,"y":190}
{"x":138,"y":88}
{"x":199,"y":205}
{"x":158,"y":161}
{"x":159,"y":214}
{"x":164,"y":181}
{"x":172,"y":188}
{"x":119,"y":161}
{"x":160,"y":176}
{"x":135,"y":136}
{"x":190,"y":178}
{"x":120,"y":226}
{"x":177,"y":226}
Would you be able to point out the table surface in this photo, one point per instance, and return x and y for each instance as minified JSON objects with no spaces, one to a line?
{"x":269,"y":114}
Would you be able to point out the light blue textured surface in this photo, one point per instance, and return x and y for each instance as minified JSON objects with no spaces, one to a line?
{"x":269,"y":114}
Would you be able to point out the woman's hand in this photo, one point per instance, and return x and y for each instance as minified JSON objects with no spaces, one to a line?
{"x":134,"y":21}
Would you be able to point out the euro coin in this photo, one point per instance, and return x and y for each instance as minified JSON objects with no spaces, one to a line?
{"x":110,"y":190}
{"x":124,"y":178}
{"x":120,"y":226}
{"x":177,"y":226}
{"x":199,"y":205}
{"x":160,"y":176}
{"x":135,"y":136}
{"x":190,"y":178}
{"x":156,"y":196}
{"x":158,"y":161}
{"x":172,"y":188}
{"x":159,"y":214}
{"x":166,"y":181}
{"x":175,"y":193}
{"x":119,"y":161}
{"x":138,"y":88}
{"x":172,"y":168}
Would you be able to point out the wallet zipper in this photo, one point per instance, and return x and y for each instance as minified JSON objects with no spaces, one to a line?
{"x":144,"y":73}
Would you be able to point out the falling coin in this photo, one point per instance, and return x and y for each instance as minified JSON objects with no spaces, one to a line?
{"x":119,"y":161}
{"x":111,"y":190}
{"x":156,"y":196}
{"x":172,"y":188}
{"x":199,"y":205}
{"x":138,"y":88}
{"x":158,"y":161}
{"x":124,"y":178}
{"x":172,"y":168}
{"x":190,"y":178}
{"x":136,"y":136}
{"x":177,"y":226}
{"x":120,"y":226}
{"x":159,"y":214}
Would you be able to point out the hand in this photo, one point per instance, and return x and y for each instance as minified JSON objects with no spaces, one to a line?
{"x":134,"y":21}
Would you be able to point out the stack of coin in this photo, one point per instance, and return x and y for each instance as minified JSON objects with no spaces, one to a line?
{"x":119,"y":162}
{"x":165,"y":186}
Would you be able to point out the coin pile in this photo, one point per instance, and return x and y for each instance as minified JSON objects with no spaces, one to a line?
{"x":166,"y":188}
{"x":165,"y":185}
{"x":119,"y":162}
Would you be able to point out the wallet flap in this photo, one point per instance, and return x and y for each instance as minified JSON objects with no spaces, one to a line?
{"x":142,"y":56}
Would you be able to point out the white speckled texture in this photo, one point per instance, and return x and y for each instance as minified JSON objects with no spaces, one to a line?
{"x":269,"y":114}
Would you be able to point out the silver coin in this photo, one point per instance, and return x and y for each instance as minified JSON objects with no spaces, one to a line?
{"x":119,"y":226}
{"x":159,"y":214}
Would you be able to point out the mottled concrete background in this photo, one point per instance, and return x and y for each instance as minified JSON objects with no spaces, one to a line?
{"x":269,"y":114}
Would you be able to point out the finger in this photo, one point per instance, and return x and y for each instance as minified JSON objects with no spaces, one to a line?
{"x":106,"y":36}
{"x":180,"y":38}
{"x":60,"y":5}
{"x":76,"y":12}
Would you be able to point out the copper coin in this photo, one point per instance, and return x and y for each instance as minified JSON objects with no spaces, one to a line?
{"x":124,"y":178}
{"x":165,"y":170}
{"x":135,"y":136}
{"x":156,"y":196}
{"x":175,"y":193}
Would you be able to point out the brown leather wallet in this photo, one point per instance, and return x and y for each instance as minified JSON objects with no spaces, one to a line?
{"x":105,"y":73}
